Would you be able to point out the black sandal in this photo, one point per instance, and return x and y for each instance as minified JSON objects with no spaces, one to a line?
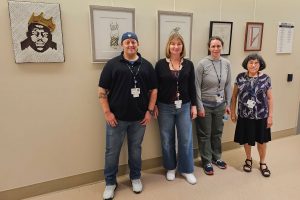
{"x":248,"y":165}
{"x":264,"y":171}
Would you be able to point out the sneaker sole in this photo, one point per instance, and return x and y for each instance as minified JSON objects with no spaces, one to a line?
{"x":209,"y":173}
{"x":220,"y":166}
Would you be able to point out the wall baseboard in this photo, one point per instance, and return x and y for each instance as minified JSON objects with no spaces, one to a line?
{"x":91,"y":177}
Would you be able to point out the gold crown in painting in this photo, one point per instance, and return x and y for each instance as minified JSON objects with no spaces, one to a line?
{"x":39,"y":19}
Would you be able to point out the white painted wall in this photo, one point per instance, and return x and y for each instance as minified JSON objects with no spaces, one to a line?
{"x":51,"y":125}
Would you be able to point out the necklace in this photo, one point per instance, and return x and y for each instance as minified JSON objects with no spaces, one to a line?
{"x":174,"y":67}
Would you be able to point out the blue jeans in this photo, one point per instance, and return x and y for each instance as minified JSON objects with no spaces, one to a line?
{"x":114,"y":140}
{"x":209,"y":133}
{"x":168,"y":118}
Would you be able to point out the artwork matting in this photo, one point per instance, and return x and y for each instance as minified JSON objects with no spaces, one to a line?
{"x":107,"y":26}
{"x":223,"y":30}
{"x":169,"y":22}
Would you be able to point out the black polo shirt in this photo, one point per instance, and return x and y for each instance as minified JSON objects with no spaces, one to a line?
{"x":117,"y":77}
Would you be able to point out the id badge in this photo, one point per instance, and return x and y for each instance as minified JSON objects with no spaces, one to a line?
{"x":251,"y":103}
{"x":219,"y":98}
{"x":135,"y":92}
{"x":178,"y":104}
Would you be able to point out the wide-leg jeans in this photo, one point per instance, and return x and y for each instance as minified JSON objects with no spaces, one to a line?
{"x":168,"y":118}
{"x":114,"y":140}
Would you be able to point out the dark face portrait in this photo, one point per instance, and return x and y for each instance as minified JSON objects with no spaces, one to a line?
{"x":39,"y":38}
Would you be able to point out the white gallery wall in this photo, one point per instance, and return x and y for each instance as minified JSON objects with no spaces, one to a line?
{"x":51,"y":125}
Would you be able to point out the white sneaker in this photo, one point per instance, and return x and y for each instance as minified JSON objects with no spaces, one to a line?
{"x":109,"y":192}
{"x":190,"y":178}
{"x":171,"y":175}
{"x":137,"y":185}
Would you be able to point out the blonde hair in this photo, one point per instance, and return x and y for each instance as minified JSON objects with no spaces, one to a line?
{"x":172,"y":37}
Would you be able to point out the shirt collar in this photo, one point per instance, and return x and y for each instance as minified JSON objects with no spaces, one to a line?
{"x":138,"y":61}
{"x":211,"y":59}
{"x":170,"y":64}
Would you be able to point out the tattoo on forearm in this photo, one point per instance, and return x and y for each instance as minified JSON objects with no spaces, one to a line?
{"x":102,"y":95}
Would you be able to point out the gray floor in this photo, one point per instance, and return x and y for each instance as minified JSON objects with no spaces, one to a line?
{"x":230,"y":184}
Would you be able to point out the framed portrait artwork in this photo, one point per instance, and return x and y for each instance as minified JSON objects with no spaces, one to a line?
{"x":107,"y":26}
{"x":36,"y":32}
{"x":224,"y":31}
{"x":253,"y":36}
{"x":170,"y":22}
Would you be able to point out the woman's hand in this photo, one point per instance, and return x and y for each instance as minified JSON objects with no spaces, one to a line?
{"x":233,"y":117}
{"x":269,"y":122}
{"x":227,"y":110}
{"x":201,"y":112}
{"x":193,"y":112}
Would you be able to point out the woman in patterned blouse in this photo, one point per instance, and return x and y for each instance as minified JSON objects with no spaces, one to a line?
{"x":255,"y":110}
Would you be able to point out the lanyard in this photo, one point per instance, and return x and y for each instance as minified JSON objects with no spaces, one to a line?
{"x":176,"y":74}
{"x":131,"y":68}
{"x":218,"y":77}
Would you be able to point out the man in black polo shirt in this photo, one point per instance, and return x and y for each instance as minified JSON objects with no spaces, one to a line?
{"x":127,"y":93}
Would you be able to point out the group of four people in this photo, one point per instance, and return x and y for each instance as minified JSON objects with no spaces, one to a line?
{"x":131,"y":92}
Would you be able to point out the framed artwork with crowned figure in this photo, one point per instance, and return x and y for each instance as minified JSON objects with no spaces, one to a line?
{"x":107,"y":26}
{"x":36,"y":32}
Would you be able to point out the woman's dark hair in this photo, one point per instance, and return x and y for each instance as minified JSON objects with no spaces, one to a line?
{"x":215,"y":38}
{"x":254,"y":56}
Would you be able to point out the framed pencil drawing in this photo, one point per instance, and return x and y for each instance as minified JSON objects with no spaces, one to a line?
{"x":36,"y":32}
{"x":170,"y":22}
{"x":253,"y":36}
{"x":224,"y":31}
{"x":107,"y":26}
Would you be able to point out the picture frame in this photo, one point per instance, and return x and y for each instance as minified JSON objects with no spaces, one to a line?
{"x":36,"y":32}
{"x":222,"y":29}
{"x":107,"y":24}
{"x":253,"y":36}
{"x":171,"y":21}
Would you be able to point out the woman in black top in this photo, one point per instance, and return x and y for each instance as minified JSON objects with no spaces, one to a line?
{"x":176,"y":107}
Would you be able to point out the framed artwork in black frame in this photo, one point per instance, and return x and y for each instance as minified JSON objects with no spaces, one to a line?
{"x":223,"y":30}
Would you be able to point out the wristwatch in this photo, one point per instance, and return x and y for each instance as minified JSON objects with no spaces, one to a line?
{"x":151,"y":112}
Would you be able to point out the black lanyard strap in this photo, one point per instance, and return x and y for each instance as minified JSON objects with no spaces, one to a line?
{"x":218,"y":77}
{"x":131,"y":68}
{"x":176,"y":74}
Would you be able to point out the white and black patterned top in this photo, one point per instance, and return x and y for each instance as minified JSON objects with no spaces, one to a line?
{"x":255,"y":89}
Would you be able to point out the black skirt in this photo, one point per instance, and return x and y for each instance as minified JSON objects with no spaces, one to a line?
{"x":249,"y":131}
